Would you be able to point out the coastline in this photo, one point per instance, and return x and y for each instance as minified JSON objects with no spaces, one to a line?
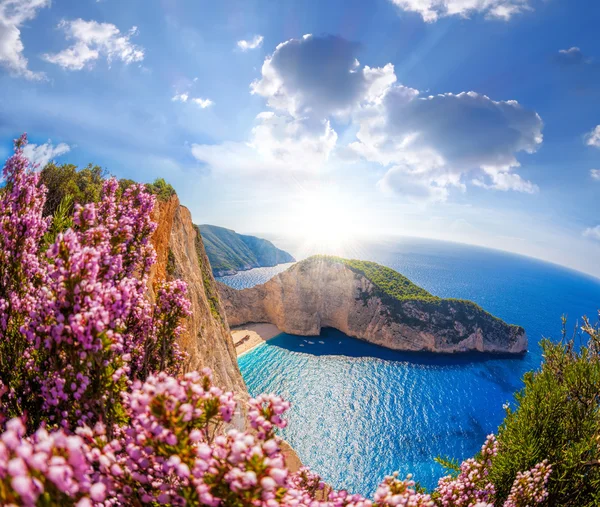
{"x":232,"y":272}
{"x":249,"y":336}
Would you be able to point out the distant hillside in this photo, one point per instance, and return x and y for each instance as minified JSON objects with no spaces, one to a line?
{"x":230,"y":252}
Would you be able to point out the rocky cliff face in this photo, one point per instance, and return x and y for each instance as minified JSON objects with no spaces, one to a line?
{"x":207,"y":337}
{"x":319,"y":293}
{"x":181,"y":254}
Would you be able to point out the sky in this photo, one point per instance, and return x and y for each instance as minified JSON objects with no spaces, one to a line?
{"x":476,"y":121}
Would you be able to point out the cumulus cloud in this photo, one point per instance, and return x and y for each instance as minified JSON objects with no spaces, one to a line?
{"x":593,"y":137}
{"x":256,"y":42}
{"x":180,"y":97}
{"x":428,"y":144}
{"x":203,"y":103}
{"x":595,"y":174}
{"x":41,"y":154}
{"x":184,"y":97}
{"x":571,"y":56}
{"x":432,"y":10}
{"x":399,"y":181}
{"x":278,"y":144}
{"x":592,"y":232}
{"x":442,"y":138}
{"x":13,"y":14}
{"x":312,"y":76}
{"x":92,"y":40}
{"x":504,"y":180}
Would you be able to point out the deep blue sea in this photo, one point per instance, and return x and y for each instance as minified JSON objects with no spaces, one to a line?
{"x":359,"y":411}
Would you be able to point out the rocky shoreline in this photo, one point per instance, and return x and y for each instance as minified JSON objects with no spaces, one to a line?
{"x":324,"y":292}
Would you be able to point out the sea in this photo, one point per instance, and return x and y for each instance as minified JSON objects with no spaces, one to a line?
{"x":360,"y":412}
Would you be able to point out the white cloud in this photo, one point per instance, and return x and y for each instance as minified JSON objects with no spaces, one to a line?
{"x":595,"y":174}
{"x":432,"y":10}
{"x":92,"y":40}
{"x":278,"y":144}
{"x":444,"y":137}
{"x":400,"y":182}
{"x":13,"y":14}
{"x":180,"y":97}
{"x":40,"y":155}
{"x":505,"y":180}
{"x":593,"y":138}
{"x":203,"y":103}
{"x":427,"y":144}
{"x":592,"y":232}
{"x":256,"y":42}
{"x":312,"y":75}
{"x":571,"y":56}
{"x":185,"y":97}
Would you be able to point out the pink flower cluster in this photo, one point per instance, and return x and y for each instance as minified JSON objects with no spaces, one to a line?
{"x":471,"y":484}
{"x":177,"y":449}
{"x":529,"y":487}
{"x":54,"y":465}
{"x":76,"y":324}
{"x":473,"y":489}
{"x":97,"y":415}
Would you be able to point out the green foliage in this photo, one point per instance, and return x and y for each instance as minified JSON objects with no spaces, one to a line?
{"x":83,"y":186}
{"x":230,"y":251}
{"x":386,"y":279}
{"x":170,"y":263}
{"x":557,"y":417}
{"x":452,"y":465}
{"x":161,"y":189}
{"x":210,"y":288}
{"x":61,"y":220}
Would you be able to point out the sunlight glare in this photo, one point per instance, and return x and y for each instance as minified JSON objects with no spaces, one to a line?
{"x":324,"y":220}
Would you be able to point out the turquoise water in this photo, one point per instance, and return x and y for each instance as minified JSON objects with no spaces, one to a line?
{"x":360,"y":412}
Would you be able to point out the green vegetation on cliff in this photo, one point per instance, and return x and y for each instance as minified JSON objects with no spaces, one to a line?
{"x":396,"y":289}
{"x":229,"y":251}
{"x":82,"y":186}
{"x":209,"y":286}
{"x":387,"y":280}
{"x":557,"y":416}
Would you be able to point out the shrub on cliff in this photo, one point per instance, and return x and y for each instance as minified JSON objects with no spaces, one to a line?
{"x":63,"y":180}
{"x":557,"y":417}
{"x":161,"y":189}
{"x":93,"y":413}
{"x":83,"y":186}
{"x":75,"y":323}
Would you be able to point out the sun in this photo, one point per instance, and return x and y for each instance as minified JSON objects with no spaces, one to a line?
{"x":323,"y":218}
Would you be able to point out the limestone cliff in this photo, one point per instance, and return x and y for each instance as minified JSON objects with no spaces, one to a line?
{"x":181,"y":254}
{"x":207,"y":337}
{"x":383,"y":308}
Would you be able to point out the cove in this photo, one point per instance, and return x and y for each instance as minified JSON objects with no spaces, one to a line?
{"x":360,"y":412}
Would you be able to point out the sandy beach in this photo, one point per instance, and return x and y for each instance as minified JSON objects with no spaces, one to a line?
{"x":248,"y":336}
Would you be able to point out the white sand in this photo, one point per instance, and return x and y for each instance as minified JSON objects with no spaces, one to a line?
{"x":247,"y":337}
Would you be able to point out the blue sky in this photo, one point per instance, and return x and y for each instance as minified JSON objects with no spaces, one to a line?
{"x":464,"y":120}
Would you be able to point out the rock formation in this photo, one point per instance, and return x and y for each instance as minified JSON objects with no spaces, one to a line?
{"x":330,"y":292}
{"x":180,"y":254}
{"x":207,"y":337}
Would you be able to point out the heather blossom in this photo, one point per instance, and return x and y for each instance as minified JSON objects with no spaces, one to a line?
{"x":94,"y":408}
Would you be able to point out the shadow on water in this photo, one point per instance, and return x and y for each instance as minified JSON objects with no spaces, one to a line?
{"x":332,"y":342}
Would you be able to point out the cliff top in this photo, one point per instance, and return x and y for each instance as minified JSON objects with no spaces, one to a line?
{"x":393,"y":286}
